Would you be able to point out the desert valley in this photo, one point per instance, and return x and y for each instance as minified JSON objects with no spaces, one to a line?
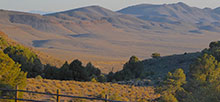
{"x":141,"y":53}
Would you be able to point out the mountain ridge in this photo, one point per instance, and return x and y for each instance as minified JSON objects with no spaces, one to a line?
{"x":108,"y":38}
{"x":171,"y":10}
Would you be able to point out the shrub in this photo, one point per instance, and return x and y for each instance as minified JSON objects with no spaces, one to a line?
{"x":38,"y":77}
{"x":155,"y":55}
{"x":131,"y":70}
{"x":93,"y":80}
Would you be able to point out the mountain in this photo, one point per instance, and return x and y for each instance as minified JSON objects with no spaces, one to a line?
{"x":172,"y":13}
{"x":39,"y":12}
{"x":204,"y":19}
{"x":97,"y":14}
{"x":107,"y":38}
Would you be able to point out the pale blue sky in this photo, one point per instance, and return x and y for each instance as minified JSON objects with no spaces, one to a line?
{"x":60,"y":5}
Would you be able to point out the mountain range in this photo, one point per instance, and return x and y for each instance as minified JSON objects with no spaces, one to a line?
{"x":107,"y":38}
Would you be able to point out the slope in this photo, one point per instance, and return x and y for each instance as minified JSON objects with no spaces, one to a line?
{"x":204,"y":19}
{"x":45,"y":58}
{"x":101,"y":36}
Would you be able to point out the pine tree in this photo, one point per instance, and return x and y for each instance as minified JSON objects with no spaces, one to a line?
{"x":78,"y":71}
{"x":204,"y":80}
{"x":10,"y":75}
{"x":65,"y":73}
{"x":205,"y":69}
{"x":171,"y":85}
{"x":92,"y":71}
{"x":131,"y":70}
{"x":28,"y":60}
{"x":10,"y":72}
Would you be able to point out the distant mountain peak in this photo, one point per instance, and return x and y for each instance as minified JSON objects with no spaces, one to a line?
{"x":217,"y":10}
{"x":173,"y":13}
{"x":94,"y":9}
{"x":181,"y":3}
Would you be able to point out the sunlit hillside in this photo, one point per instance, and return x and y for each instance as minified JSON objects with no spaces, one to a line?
{"x":89,"y":89}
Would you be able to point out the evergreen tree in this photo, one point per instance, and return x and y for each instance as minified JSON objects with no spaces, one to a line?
{"x":131,"y":70}
{"x":65,"y":73}
{"x":28,"y":60}
{"x":205,"y":69}
{"x":204,"y":82}
{"x":10,"y":75}
{"x":51,"y":72}
{"x":92,"y":71}
{"x":10,"y":72}
{"x":172,"y":86}
{"x":110,"y":76}
{"x":78,"y":71}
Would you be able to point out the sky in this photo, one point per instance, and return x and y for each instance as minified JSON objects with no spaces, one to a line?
{"x":61,"y":5}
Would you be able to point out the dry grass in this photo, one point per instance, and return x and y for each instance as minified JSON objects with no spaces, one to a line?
{"x":89,"y":89}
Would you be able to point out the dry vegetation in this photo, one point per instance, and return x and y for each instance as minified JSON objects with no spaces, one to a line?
{"x":89,"y":89}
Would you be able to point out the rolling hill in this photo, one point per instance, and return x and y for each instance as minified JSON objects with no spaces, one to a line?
{"x":107,"y":38}
{"x":44,"y":57}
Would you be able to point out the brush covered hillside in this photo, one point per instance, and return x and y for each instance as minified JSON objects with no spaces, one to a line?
{"x":190,"y":77}
{"x":150,"y":72}
{"x":18,"y":62}
{"x":88,"y":89}
{"x":105,"y":38}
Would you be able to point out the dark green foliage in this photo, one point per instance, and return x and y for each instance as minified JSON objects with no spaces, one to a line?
{"x":155,"y":55}
{"x":78,"y":71}
{"x":214,"y":50}
{"x":101,"y":78}
{"x":214,"y":44}
{"x":110,"y":77}
{"x":51,"y":72}
{"x":203,"y":84}
{"x":75,"y":71}
{"x":92,"y":70}
{"x":131,"y":70}
{"x":205,"y":69}
{"x":28,"y":60}
{"x":65,"y":73}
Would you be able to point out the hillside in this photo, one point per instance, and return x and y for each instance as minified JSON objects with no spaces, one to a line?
{"x":161,"y":66}
{"x":88,"y":89}
{"x":45,"y":58}
{"x":203,"y":19}
{"x":107,"y":38}
{"x":150,"y":72}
